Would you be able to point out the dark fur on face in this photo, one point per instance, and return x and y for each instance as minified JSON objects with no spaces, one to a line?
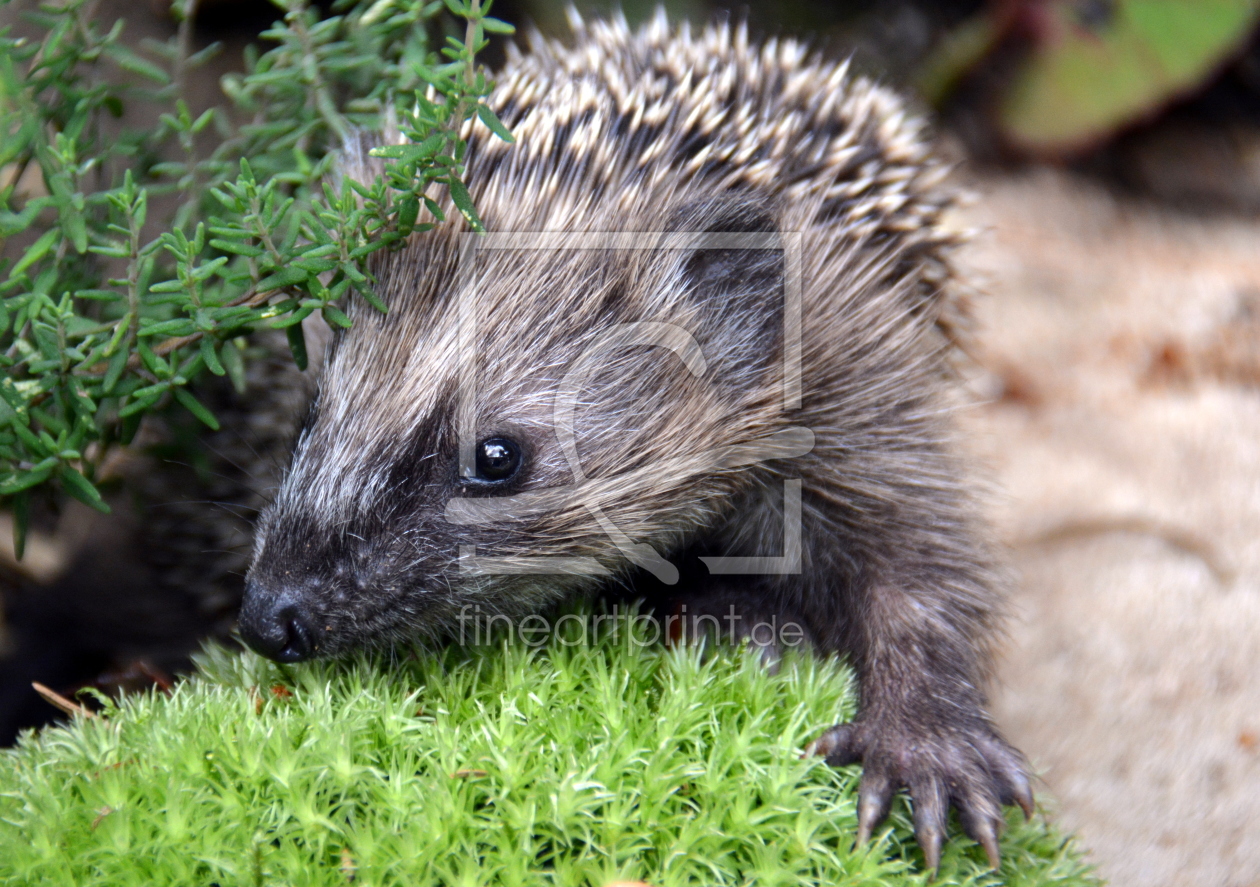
{"x":664,"y":135}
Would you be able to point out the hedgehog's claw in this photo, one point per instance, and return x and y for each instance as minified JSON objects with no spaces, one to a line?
{"x":839,"y":746}
{"x":931,"y":806}
{"x":1008,"y":770}
{"x":874,"y":801}
{"x":983,"y":828}
{"x":1022,"y":795}
{"x":970,"y":767}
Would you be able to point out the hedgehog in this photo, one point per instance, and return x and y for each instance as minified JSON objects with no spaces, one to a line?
{"x":706,"y":354}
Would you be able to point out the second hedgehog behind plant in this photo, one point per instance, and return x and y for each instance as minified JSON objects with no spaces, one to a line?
{"x":730,"y":341}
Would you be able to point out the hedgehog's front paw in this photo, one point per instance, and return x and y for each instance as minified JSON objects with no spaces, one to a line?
{"x":972,"y":768}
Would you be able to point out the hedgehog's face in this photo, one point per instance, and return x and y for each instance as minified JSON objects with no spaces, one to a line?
{"x":446,"y":472}
{"x":340,"y":565}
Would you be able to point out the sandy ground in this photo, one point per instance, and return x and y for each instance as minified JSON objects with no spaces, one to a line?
{"x":1121,"y":347}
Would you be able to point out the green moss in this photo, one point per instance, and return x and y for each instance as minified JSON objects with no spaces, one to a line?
{"x":566,"y":765}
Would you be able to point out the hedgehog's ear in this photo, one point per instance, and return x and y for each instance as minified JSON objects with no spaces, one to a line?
{"x":733,"y":276}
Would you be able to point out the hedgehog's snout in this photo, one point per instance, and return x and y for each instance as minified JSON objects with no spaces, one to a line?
{"x":275,"y":623}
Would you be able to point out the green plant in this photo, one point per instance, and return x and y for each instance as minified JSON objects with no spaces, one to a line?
{"x":108,"y":313}
{"x":1081,"y":71}
{"x":573,"y":764}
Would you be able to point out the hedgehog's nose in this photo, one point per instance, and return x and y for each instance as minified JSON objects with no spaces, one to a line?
{"x":276,"y":626}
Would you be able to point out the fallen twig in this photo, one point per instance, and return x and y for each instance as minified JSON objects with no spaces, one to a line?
{"x":52,"y":697}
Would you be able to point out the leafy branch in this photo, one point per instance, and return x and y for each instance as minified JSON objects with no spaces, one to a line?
{"x":108,"y":314}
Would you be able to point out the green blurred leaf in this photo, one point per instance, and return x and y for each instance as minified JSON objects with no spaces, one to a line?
{"x":129,"y":61}
{"x":282,"y":278}
{"x":82,"y":489}
{"x":489,"y":118}
{"x":495,"y":26}
{"x":464,"y":203}
{"x":211,"y":357}
{"x":297,"y":344}
{"x":195,"y":407}
{"x":1088,"y":76}
{"x":36,"y":251}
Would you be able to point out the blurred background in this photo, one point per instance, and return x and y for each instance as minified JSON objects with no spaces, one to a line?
{"x":1111,"y":153}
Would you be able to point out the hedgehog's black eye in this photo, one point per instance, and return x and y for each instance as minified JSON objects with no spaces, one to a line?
{"x":498,"y":459}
